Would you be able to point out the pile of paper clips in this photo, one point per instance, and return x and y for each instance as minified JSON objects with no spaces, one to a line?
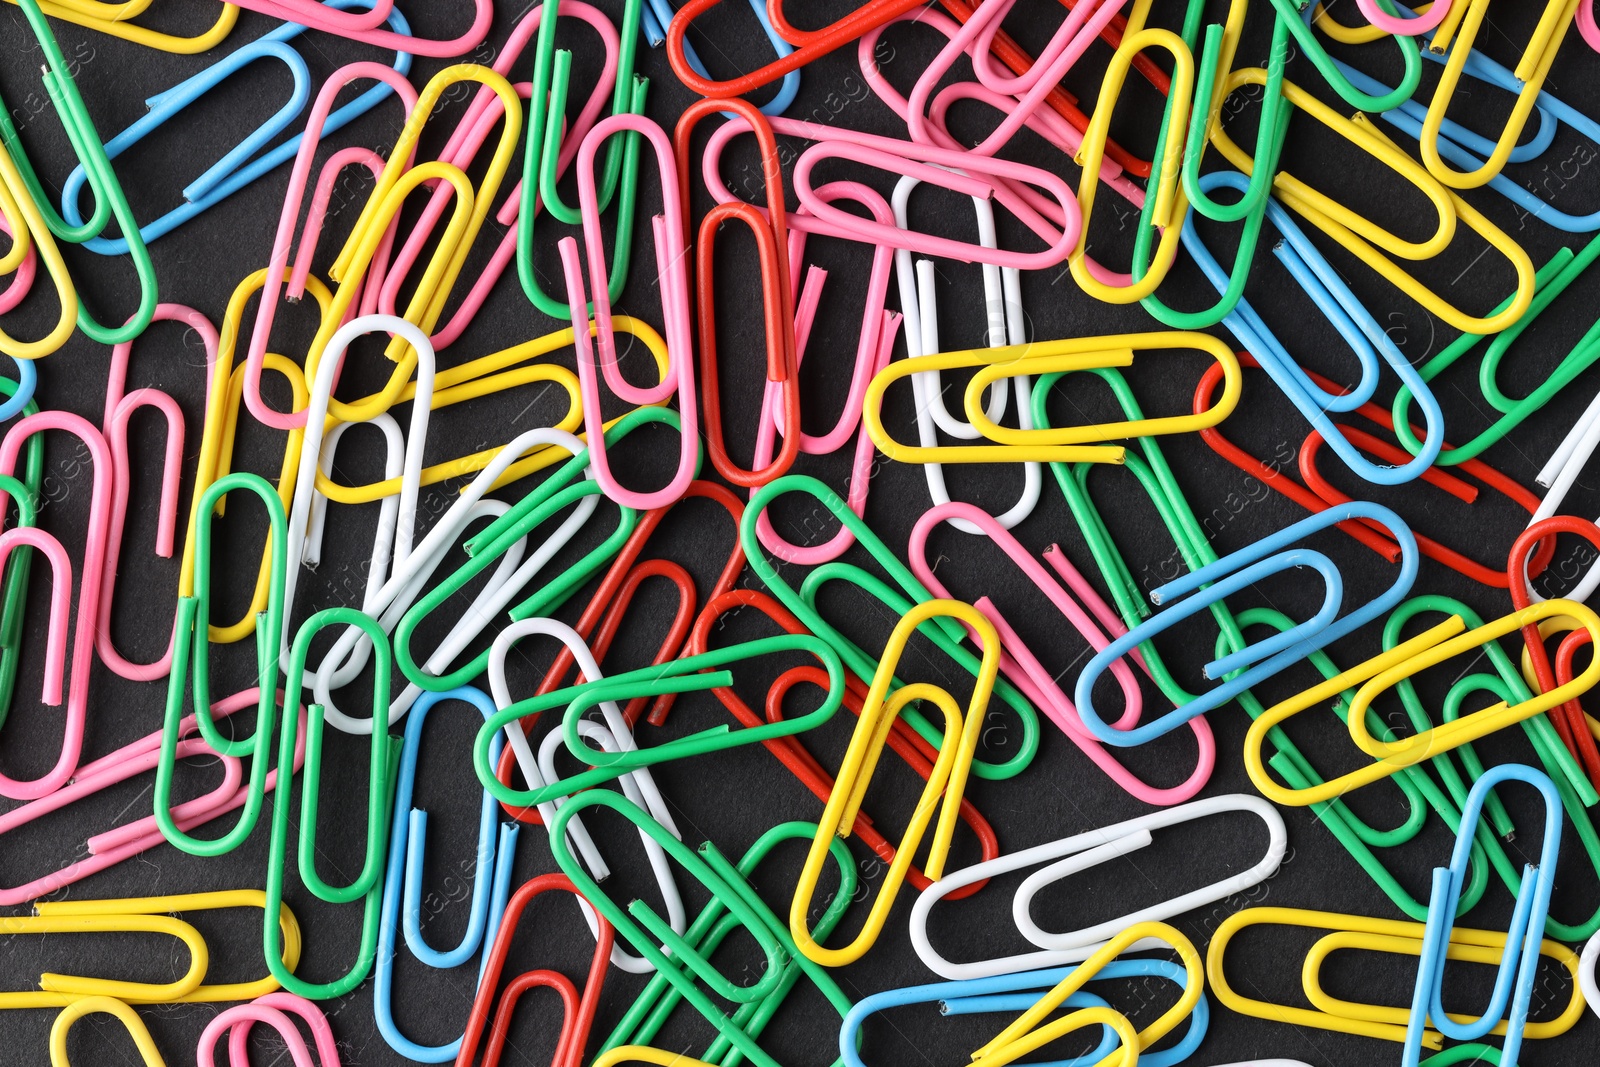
{"x":481,"y":575}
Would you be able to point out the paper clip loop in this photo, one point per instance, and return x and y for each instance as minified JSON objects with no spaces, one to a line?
{"x":578,"y":1009}
{"x":1079,"y":852}
{"x":314,"y":15}
{"x":59,"y":990}
{"x":114,"y":20}
{"x":274,"y":1010}
{"x":1229,"y":574}
{"x":1299,"y":16}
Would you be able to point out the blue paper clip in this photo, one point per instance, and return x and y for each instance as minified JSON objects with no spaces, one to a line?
{"x":1521,"y":957}
{"x":1019,"y":992}
{"x":1463,"y":148}
{"x":235,"y":170}
{"x":657,"y":14}
{"x":1348,"y":315}
{"x":402,"y":885}
{"x":1228,"y":575}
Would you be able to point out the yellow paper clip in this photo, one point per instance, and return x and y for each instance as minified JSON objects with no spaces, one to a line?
{"x":59,"y":990}
{"x":186,"y":902}
{"x":1531,"y":71}
{"x":1399,"y":664}
{"x":1029,"y":1030}
{"x":1171,"y":202}
{"x":1373,"y":935}
{"x":1059,"y":444}
{"x":948,"y":777}
{"x":1365,"y":239}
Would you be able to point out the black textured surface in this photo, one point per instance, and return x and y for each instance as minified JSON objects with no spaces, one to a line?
{"x":733,"y":797}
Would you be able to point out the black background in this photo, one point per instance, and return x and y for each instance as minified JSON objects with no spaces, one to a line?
{"x":733,"y":797}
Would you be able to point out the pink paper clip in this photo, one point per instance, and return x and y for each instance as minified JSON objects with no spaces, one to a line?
{"x":91,"y":581}
{"x":671,"y":259}
{"x":107,"y":849}
{"x":975,"y":38}
{"x":278,"y":264}
{"x":120,"y":407}
{"x":1054,"y":217}
{"x":1587,"y":25}
{"x":318,"y":17}
{"x":877,"y":323}
{"x":274,"y":1010}
{"x":1094,"y":620}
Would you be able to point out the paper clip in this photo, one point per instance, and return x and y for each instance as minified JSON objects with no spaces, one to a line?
{"x":402,"y":884}
{"x":1030,"y":1029}
{"x":641,"y":927}
{"x":777,"y":298}
{"x":811,"y":44}
{"x":943,"y":632}
{"x":1299,"y":17}
{"x":191,"y":665}
{"x":949,"y":777}
{"x":671,"y":255}
{"x":1009,"y":992}
{"x":110,"y":201}
{"x":1514,"y":979}
{"x":273,"y":278}
{"x":367,"y":885}
{"x":1079,"y":852}
{"x":1586,"y":964}
{"x":1347,"y":314}
{"x":1167,"y":203}
{"x":32,"y":241}
{"x":1530,"y":73}
{"x":578,"y":1010}
{"x":249,"y":160}
{"x":314,"y":15}
{"x":1094,"y":620}
{"x":792,"y":753}
{"x":551,"y":148}
{"x":1072,"y":444}
{"x":1571,"y":722}
{"x":88,"y":594}
{"x":686,"y":674}
{"x":1373,"y":935}
{"x":1369,"y":242}
{"x":113,"y":19}
{"x":1409,"y":26}
{"x":59,"y":990}
{"x":274,"y":1010}
{"x":1434,"y":646}
{"x":137,"y":1031}
{"x":1552,"y":280}
{"x":874,"y":347}
{"x":283,"y":920}
{"x":111,"y":847}
{"x":120,"y":408}
{"x":1235,"y":571}
{"x":1002,"y":298}
{"x":652,"y":1009}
